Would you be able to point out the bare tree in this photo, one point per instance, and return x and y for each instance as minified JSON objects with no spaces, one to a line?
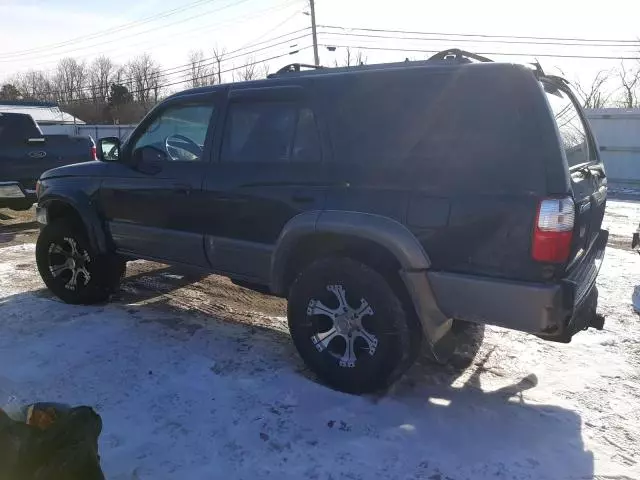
{"x":144,"y":79}
{"x":352,"y":59}
{"x":200,"y":73}
{"x":629,"y":83}
{"x":70,"y":80}
{"x":248,"y":71}
{"x":34,"y":85}
{"x":101,"y":74}
{"x":264,"y":70}
{"x":594,"y":95}
{"x":218,"y":56}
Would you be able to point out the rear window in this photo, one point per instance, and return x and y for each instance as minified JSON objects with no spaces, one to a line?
{"x":573,"y":135}
{"x":16,"y":128}
{"x":466,"y":128}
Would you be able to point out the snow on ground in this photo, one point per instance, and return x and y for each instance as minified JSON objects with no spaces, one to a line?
{"x":184,"y":394}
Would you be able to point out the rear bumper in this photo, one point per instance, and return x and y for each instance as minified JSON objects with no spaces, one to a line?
{"x":552,"y":311}
{"x":13,"y":195}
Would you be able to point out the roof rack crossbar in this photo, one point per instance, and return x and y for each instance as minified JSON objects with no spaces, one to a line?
{"x":460,"y":55}
{"x":294,"y":67}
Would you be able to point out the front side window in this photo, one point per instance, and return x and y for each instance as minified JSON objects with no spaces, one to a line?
{"x":270,"y":132}
{"x":179,"y":132}
{"x":573,"y":135}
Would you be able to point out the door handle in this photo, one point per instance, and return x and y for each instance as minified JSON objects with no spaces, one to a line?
{"x":182,"y":188}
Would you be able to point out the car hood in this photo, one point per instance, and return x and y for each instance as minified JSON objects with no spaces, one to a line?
{"x":84,"y":169}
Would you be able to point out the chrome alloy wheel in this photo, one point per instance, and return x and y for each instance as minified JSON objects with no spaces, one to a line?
{"x":68,"y":263}
{"x":346,"y":324}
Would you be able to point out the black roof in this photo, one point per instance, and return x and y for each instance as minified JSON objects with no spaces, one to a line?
{"x":451,"y":58}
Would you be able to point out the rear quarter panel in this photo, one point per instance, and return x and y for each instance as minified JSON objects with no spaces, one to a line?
{"x":453,"y":153}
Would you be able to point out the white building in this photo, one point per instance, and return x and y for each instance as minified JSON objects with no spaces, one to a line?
{"x":47,"y":115}
{"x":618,"y":133}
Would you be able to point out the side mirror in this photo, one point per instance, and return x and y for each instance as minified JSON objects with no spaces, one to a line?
{"x":109,"y":149}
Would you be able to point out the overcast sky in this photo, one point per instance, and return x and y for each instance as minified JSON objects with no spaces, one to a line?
{"x":35,"y":34}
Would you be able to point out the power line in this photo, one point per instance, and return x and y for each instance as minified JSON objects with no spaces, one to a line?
{"x":286,"y":20}
{"x":449,"y":34}
{"x":191,"y":31}
{"x":233,"y":4}
{"x":209,"y":62}
{"x":511,"y":54}
{"x":480,"y":40}
{"x":109,"y":31}
{"x":271,"y":40}
{"x":180,"y":82}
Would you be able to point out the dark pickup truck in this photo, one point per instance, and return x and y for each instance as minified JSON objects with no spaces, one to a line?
{"x":25,"y":153}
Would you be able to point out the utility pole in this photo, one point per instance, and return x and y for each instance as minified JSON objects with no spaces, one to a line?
{"x":312,"y":7}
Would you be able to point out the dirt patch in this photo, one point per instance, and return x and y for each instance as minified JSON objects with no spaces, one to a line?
{"x":17,"y":227}
{"x":209,"y":295}
{"x":622,"y":242}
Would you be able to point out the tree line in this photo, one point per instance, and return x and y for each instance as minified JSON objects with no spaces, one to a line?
{"x":101,"y":91}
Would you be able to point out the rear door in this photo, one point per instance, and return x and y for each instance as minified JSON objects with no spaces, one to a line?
{"x":588,"y":180}
{"x":270,"y":169}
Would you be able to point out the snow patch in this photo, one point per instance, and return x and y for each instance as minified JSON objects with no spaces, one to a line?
{"x":185,"y":395}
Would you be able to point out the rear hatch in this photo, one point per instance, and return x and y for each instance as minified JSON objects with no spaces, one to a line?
{"x":585,"y":172}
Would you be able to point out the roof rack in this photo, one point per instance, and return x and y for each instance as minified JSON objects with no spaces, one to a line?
{"x":461,"y":56}
{"x":294,"y":67}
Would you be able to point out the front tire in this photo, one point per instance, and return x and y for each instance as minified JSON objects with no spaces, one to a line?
{"x":350,"y":327}
{"x":71,"y":268}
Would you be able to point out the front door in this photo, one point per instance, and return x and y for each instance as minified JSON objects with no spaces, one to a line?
{"x":153,"y":207}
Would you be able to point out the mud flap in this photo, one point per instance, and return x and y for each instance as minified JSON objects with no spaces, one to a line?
{"x":435,"y":325}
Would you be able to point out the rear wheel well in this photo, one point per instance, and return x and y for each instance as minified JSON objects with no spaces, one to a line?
{"x":368,"y":252}
{"x":317,"y":246}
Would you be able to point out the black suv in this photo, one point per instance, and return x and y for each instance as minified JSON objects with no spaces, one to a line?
{"x":388,"y":203}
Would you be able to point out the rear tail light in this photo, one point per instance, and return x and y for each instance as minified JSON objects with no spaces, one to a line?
{"x":554,"y":230}
{"x":94,"y":153}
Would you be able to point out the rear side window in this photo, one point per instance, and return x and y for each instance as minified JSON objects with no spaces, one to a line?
{"x":270,"y":132}
{"x":466,"y":129}
{"x":573,"y":135}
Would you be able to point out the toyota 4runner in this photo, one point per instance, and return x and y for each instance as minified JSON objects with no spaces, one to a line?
{"x":388,"y":203}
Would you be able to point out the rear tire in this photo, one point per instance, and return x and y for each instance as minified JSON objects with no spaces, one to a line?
{"x":72,"y":269}
{"x":350,"y":327}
